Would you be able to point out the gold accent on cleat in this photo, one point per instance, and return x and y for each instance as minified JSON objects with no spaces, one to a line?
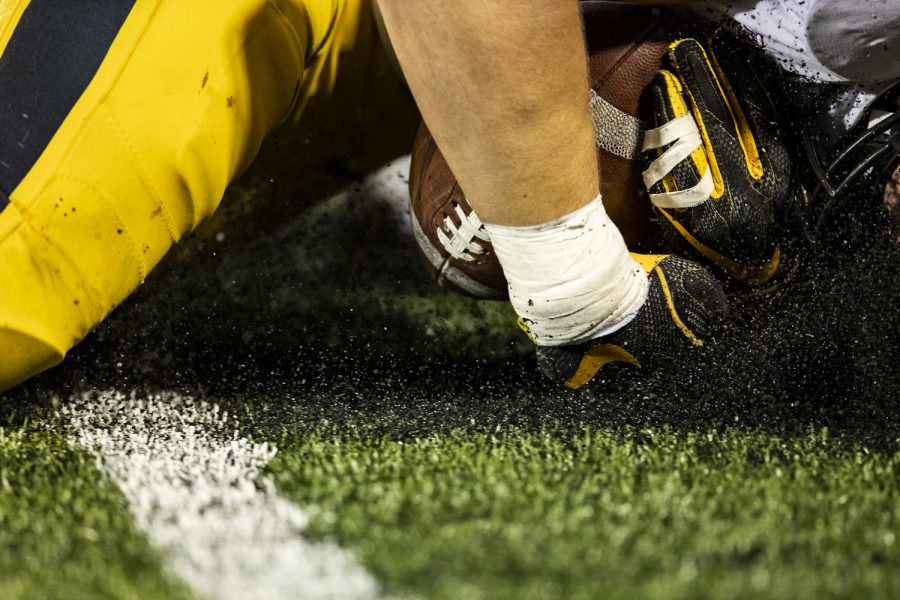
{"x":741,"y":124}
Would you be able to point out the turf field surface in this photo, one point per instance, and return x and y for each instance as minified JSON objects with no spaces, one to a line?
{"x":605,"y":514}
{"x":409,"y":427}
{"x":65,"y":530}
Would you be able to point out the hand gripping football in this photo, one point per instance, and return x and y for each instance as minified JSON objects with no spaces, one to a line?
{"x":626,"y":45}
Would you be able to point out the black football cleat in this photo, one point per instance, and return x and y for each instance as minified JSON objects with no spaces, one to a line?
{"x":720,"y":173}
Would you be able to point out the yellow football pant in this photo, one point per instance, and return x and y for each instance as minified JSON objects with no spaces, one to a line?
{"x":177,"y":108}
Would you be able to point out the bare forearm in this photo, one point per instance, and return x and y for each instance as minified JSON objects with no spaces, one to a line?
{"x":503,"y":87}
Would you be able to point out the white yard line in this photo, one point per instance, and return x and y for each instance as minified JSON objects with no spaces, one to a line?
{"x":195,"y":489}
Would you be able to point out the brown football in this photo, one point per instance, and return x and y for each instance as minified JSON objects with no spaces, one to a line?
{"x":626,"y":45}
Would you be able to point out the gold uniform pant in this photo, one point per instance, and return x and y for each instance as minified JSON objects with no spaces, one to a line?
{"x":173,"y":108}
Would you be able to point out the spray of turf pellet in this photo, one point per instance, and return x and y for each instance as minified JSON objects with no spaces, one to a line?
{"x":332,"y":322}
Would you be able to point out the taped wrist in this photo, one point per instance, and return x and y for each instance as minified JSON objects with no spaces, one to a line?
{"x":570,"y":280}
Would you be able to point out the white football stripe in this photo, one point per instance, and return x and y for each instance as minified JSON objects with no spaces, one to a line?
{"x":195,"y":489}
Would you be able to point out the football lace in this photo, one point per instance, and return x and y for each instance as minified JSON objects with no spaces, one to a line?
{"x":460,"y":243}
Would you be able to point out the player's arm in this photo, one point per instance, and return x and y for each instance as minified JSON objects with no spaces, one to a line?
{"x":503,"y":87}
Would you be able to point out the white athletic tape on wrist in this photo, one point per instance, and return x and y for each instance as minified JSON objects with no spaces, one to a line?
{"x":684,"y":137}
{"x":571,"y":280}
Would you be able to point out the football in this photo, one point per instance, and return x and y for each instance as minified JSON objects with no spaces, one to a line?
{"x":626,"y":45}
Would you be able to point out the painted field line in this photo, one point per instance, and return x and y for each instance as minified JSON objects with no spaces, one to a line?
{"x":195,"y":489}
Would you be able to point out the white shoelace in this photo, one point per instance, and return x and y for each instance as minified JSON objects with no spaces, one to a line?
{"x":680,"y":134}
{"x":684,"y":137}
{"x":460,"y":243}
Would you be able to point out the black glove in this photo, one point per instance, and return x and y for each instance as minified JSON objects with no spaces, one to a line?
{"x":683,"y":304}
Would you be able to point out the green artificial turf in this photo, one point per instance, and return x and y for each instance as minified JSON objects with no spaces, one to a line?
{"x":65,"y":531}
{"x":644,"y":514}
